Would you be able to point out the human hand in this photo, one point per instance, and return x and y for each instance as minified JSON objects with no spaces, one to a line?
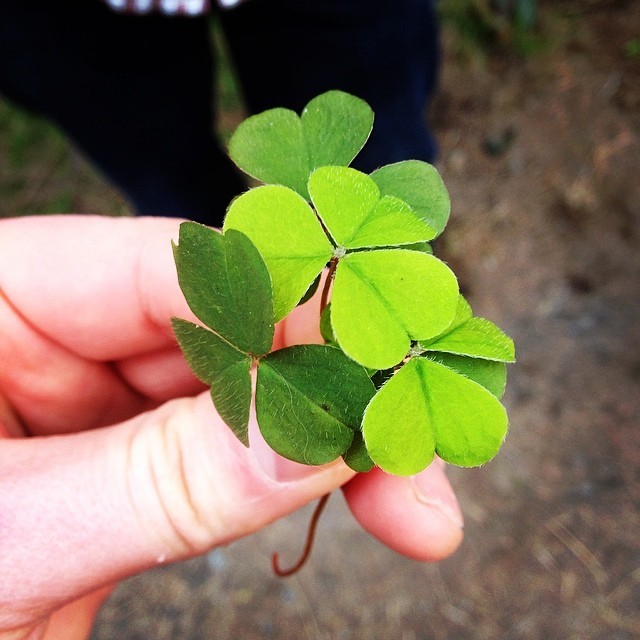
{"x":137,"y":468}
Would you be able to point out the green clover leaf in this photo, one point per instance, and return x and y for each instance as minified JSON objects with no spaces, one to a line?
{"x":289,"y":237}
{"x":433,"y":409}
{"x":477,"y":338}
{"x":382,"y":298}
{"x":419,"y":185}
{"x":474,"y":347}
{"x":356,"y":214}
{"x":392,"y":314}
{"x":309,"y":402}
{"x":227,"y":286}
{"x":490,"y":374}
{"x":357,"y":457}
{"x":450,"y":397}
{"x":278,"y":147}
{"x":224,"y":368}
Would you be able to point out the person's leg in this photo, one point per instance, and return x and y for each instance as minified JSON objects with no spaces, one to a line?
{"x":384,"y":51}
{"x":133,"y":92}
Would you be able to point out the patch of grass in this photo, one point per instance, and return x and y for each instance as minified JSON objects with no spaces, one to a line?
{"x":632,"y":48}
{"x":229,"y":101}
{"x":229,"y":94}
{"x":487,"y":26}
{"x":42,"y":172}
{"x":23,"y":137}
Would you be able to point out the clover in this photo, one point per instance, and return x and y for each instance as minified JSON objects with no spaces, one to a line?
{"x":279,"y":147}
{"x":384,"y":296}
{"x":406,"y":371}
{"x":445,"y":399}
{"x":227,"y":286}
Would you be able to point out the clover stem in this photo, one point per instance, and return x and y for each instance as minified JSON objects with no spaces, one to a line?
{"x":333,"y":263}
{"x":311,"y":534}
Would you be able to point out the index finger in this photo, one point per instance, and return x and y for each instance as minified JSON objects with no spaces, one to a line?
{"x":69,"y":275}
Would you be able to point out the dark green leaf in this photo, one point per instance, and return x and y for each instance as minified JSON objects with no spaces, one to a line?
{"x":336,"y":126}
{"x":270,"y":146}
{"x":419,"y":184}
{"x":222,"y":366}
{"x":311,"y":291}
{"x":309,"y":402}
{"x":357,"y":456}
{"x":326,"y":330}
{"x":490,"y":374}
{"x":381,"y":376}
{"x":227,"y":285}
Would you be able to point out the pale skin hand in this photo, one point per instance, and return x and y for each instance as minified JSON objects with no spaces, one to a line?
{"x":139,"y":469}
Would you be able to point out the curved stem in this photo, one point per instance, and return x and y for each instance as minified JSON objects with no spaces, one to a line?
{"x":311,"y":534}
{"x":327,"y":284}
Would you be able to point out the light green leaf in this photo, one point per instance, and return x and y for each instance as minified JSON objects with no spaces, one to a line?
{"x":426,"y":408}
{"x":225,"y":368}
{"x":278,"y":147}
{"x":391,"y":223}
{"x":289,"y":237}
{"x":270,"y":146}
{"x":227,"y":285}
{"x":336,"y":126}
{"x":309,"y":402}
{"x":419,"y":184}
{"x":469,"y":421}
{"x":490,"y":374}
{"x":384,"y":299}
{"x":476,"y":337}
{"x":463,"y":313}
{"x":350,"y":205}
{"x":396,"y":427}
{"x":343,"y":198}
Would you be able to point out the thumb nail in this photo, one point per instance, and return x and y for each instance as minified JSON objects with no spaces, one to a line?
{"x":432,"y":488}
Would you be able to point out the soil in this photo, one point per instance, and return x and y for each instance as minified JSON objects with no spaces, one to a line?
{"x":541,"y":156}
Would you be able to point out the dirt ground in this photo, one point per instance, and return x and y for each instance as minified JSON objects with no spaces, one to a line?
{"x":541,"y":155}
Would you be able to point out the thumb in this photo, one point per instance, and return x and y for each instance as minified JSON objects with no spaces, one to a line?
{"x":418,"y":516}
{"x":85,"y":510}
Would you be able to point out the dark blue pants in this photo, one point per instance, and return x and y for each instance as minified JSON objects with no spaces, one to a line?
{"x":135,"y":92}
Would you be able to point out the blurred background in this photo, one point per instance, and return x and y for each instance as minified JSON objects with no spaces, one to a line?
{"x":538,"y":118}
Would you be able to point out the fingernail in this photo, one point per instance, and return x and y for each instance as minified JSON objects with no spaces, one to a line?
{"x":433,"y":490}
{"x":277,"y":468}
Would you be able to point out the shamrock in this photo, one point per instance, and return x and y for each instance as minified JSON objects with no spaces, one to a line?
{"x":444,"y":400}
{"x":384,"y":296}
{"x":309,"y":398}
{"x":407,"y":370}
